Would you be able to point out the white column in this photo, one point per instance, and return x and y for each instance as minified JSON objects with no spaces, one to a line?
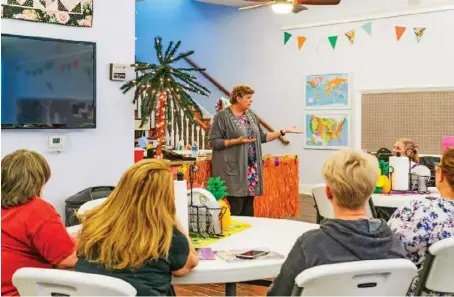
{"x":187,"y":130}
{"x":172,"y":131}
{"x":192,"y":131}
{"x":177,"y":130}
{"x":203,"y":139}
{"x":197,"y":129}
{"x":153,"y":119}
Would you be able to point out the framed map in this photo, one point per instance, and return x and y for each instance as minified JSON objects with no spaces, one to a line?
{"x":328,"y":91}
{"x":77,"y":13}
{"x":327,"y":130}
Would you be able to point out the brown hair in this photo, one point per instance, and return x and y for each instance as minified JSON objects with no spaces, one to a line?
{"x":240,"y":91}
{"x":351,"y":176}
{"x":135,"y":223}
{"x":447,"y":166}
{"x":411,"y":145}
{"x":24,"y":173}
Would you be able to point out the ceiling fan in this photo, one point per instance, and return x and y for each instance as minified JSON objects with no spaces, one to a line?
{"x":287,"y":6}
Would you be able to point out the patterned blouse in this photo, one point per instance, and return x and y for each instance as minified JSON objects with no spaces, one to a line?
{"x":421,"y":223}
{"x":252,"y":176}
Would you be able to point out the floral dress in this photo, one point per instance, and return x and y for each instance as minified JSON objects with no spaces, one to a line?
{"x":420,"y":224}
{"x":252,"y":176}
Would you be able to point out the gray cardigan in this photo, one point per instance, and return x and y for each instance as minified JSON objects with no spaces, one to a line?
{"x":230,"y":163}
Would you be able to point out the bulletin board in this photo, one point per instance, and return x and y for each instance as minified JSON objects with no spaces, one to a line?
{"x":424,"y":116}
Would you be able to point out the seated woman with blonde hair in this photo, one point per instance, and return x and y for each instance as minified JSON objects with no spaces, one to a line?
{"x":33,"y":234}
{"x":134,"y":234}
{"x":350,"y":178}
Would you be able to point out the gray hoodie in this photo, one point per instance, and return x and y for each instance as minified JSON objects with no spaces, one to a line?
{"x":337,"y":241}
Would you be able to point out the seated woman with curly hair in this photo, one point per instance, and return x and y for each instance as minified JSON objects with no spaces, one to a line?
{"x":33,"y":235}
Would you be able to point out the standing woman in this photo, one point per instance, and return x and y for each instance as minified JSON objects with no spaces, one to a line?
{"x":236,"y":138}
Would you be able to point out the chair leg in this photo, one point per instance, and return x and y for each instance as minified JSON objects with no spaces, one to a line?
{"x":171,"y":291}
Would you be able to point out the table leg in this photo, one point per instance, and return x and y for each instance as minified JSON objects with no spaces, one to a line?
{"x":230,"y":289}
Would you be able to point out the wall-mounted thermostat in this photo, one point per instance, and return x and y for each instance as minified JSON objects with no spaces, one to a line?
{"x":118,"y":71}
{"x":56,"y":142}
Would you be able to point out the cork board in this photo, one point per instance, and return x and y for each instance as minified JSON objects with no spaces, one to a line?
{"x":424,"y":117}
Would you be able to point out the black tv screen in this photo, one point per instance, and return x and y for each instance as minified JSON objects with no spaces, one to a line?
{"x":48,"y":83}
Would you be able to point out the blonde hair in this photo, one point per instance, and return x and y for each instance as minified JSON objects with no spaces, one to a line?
{"x":135,"y":223}
{"x":447,"y":166}
{"x":411,"y":145}
{"x":351,"y":176}
{"x":240,"y":91}
{"x":24,"y":173}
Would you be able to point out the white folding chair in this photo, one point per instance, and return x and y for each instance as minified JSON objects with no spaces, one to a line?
{"x":322,"y":204}
{"x":360,"y":278}
{"x":438,"y":268}
{"x":90,"y":205}
{"x":56,"y":282}
{"x":325,"y":209}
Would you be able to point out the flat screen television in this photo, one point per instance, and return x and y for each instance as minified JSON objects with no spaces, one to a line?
{"x":47,"y":83}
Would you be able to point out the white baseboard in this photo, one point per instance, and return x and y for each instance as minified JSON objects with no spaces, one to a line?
{"x":306,"y":189}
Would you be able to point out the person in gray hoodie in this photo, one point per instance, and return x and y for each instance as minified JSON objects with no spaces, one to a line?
{"x":350,"y":180}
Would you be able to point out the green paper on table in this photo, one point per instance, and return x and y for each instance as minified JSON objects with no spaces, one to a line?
{"x":200,"y":241}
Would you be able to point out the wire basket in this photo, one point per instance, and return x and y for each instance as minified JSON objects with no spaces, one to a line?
{"x":206,"y":221}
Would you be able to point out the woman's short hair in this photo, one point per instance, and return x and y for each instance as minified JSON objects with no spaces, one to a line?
{"x":412,"y":146}
{"x":24,"y":173}
{"x":240,"y":91}
{"x":351,"y":176}
{"x":447,"y":166}
{"x":135,"y":224}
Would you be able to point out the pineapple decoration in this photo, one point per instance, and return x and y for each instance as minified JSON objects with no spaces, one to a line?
{"x":383,"y":184}
{"x":163,"y":82}
{"x":218,"y":189}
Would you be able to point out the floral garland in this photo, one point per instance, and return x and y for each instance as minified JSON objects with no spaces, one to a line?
{"x":50,"y":11}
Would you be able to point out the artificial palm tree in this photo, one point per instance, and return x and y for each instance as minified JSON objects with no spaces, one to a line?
{"x":158,"y":83}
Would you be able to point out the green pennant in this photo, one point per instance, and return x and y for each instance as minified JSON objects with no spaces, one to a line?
{"x":333,"y":41}
{"x":287,"y":37}
{"x":368,"y":28}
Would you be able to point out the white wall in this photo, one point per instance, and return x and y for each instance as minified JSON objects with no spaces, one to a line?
{"x":376,"y":62}
{"x":98,"y":156}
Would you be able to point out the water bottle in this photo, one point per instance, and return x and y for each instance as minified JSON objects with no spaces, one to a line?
{"x":195,"y":150}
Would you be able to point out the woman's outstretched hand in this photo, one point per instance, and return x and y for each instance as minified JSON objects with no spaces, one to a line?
{"x":244,"y":140}
{"x":293,"y":130}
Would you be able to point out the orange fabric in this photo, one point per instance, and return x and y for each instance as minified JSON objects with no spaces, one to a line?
{"x":281,"y":185}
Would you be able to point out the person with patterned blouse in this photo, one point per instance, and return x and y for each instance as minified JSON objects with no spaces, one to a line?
{"x":236,"y":137}
{"x":421,"y":223}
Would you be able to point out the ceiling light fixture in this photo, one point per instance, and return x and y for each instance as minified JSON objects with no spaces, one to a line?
{"x":282,"y":8}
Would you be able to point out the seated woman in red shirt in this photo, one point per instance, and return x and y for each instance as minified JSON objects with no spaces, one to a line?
{"x":33,"y":234}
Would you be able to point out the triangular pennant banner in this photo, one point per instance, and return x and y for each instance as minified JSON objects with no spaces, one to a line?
{"x":351,"y":36}
{"x":399,"y":32}
{"x":287,"y":37}
{"x":301,"y":41}
{"x":419,"y":32}
{"x":333,"y":41}
{"x":368,"y":28}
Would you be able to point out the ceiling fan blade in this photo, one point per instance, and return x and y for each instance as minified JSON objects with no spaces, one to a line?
{"x":317,"y":2}
{"x":298,"y":8}
{"x":256,"y":6}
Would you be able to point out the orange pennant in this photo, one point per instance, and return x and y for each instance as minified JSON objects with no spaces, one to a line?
{"x":399,"y":32}
{"x":301,"y":41}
